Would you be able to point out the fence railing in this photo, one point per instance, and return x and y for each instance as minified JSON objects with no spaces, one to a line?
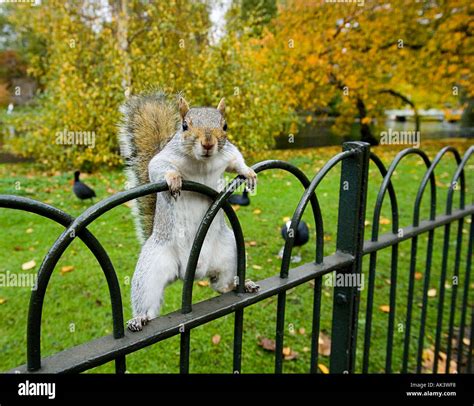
{"x":350,"y":250}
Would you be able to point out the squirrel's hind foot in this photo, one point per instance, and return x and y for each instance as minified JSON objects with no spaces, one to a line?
{"x":251,"y":286}
{"x":137,"y":323}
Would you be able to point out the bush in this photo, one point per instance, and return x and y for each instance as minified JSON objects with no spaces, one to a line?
{"x":86,"y":71}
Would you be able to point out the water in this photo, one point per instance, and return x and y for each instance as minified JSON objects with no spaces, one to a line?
{"x":320,"y":135}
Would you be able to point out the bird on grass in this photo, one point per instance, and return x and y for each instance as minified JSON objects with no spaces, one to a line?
{"x":301,"y":237}
{"x":81,"y":190}
{"x":240,"y":200}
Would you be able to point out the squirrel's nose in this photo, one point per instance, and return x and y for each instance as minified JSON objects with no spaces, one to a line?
{"x":207,"y":147}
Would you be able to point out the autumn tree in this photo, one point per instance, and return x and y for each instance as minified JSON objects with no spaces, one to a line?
{"x":89,"y":56}
{"x":370,"y":57}
{"x":95,"y":56}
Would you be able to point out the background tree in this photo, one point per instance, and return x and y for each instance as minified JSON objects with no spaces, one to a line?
{"x":271,"y":63}
{"x":369,"y":58}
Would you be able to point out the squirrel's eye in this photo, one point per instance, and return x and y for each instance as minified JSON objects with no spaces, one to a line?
{"x":185,"y":126}
{"x":225,"y":127}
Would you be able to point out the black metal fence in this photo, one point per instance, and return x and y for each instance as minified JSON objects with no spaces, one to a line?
{"x":351,"y":248}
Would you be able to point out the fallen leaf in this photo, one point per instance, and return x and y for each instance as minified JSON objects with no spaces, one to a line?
{"x":323,"y":368}
{"x":66,"y":269}
{"x":466,"y":341}
{"x":385,"y":308}
{"x":257,"y":211}
{"x":18,"y":248}
{"x":216,"y":339}
{"x":235,"y":207}
{"x":432,"y":293}
{"x":327,"y":237}
{"x":418,"y":276}
{"x":290,"y":354}
{"x":428,"y":354}
{"x":305,"y":349}
{"x":267,"y":344}
{"x":253,"y":243}
{"x":384,"y":220}
{"x":286,"y":219}
{"x":28,"y":265}
{"x":367,"y":223}
{"x":428,"y":362}
{"x":256,"y":267}
{"x":2,"y":300}
{"x":129,"y":204}
{"x":29,"y":230}
{"x":203,"y":283}
{"x":302,"y":331}
{"x":324,"y":345}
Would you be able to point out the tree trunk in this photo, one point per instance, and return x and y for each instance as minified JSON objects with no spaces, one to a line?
{"x":467,"y":118}
{"x":122,"y":34}
{"x":407,"y":101}
{"x":365,"y":131}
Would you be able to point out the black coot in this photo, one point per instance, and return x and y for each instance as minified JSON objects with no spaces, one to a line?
{"x":81,"y":190}
{"x":301,"y":238}
{"x":301,"y":235}
{"x":240,"y":200}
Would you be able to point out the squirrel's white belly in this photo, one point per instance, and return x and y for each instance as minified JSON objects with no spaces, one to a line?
{"x":189,"y":210}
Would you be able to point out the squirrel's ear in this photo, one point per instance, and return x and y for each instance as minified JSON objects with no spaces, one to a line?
{"x":183,"y":107}
{"x":221,"y":106}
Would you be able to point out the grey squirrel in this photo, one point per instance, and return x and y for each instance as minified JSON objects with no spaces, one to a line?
{"x":160,"y":140}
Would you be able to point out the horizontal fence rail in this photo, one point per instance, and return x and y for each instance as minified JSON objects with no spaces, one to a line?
{"x":351,"y":248}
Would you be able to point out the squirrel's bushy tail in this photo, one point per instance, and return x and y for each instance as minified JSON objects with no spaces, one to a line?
{"x":149,"y":122}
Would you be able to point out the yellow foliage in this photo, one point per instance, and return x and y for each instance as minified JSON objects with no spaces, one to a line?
{"x":311,"y":54}
{"x":86,"y":73}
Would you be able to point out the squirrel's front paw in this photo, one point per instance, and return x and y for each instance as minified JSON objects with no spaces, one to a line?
{"x":175,"y":183}
{"x":251,"y":179}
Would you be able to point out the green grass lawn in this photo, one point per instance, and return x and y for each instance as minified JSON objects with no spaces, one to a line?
{"x":77,"y":307}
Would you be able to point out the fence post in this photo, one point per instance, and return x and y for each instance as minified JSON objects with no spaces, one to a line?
{"x":350,"y":239}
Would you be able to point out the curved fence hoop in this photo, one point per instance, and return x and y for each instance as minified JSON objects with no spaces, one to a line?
{"x":386,"y":183}
{"x":221,"y":200}
{"x":65,"y":239}
{"x":383,"y":188}
{"x":91,"y":242}
{"x":391,"y":190}
{"x":316,"y":209}
{"x":429,"y":175}
{"x":459,"y":174}
{"x":300,"y":208}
